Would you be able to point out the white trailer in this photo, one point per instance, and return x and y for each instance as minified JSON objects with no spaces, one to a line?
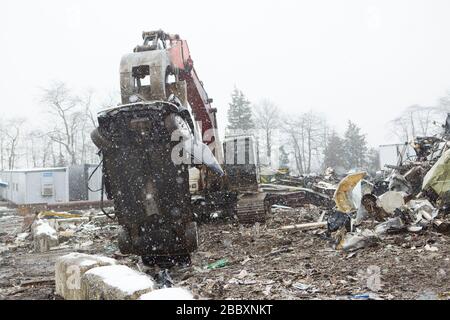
{"x":51,"y":185}
{"x":43,"y":185}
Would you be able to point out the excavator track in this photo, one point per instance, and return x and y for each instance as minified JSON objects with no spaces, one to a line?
{"x":252,"y":208}
{"x":251,"y":213}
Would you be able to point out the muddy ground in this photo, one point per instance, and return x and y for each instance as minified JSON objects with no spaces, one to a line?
{"x":263,"y":262}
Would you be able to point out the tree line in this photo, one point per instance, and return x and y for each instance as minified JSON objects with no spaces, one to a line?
{"x":306,"y":143}
{"x":419,"y":120}
{"x":60,"y":138}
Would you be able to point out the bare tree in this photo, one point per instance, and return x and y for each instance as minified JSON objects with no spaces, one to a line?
{"x":417,"y":120}
{"x":37,"y":146}
{"x":87,"y":124}
{"x":65,"y":141}
{"x":65,"y":108}
{"x":306,"y":134}
{"x":47,"y":152}
{"x":11,"y":133}
{"x":267,"y":119}
{"x":290,"y":128}
{"x":400,"y":128}
{"x":313,"y":125}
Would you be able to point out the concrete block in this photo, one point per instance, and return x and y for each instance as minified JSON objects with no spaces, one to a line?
{"x":168,"y":294}
{"x":44,"y":236}
{"x":70,"y":268}
{"x":115,"y":283}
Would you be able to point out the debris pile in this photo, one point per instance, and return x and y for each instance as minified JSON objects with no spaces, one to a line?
{"x":412,"y":196}
{"x":417,"y":199}
{"x":272,"y":260}
{"x":324,"y":238}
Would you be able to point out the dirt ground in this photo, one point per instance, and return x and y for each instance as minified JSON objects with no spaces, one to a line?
{"x":263,"y":262}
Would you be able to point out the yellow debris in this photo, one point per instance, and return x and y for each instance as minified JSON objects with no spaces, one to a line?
{"x":341,"y":198}
{"x":58,"y":214}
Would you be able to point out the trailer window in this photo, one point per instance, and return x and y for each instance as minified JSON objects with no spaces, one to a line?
{"x":47,"y":187}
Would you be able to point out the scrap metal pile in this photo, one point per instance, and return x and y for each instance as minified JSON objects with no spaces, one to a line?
{"x":414,"y":196}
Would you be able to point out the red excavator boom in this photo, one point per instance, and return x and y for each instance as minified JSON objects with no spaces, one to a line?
{"x":197,"y":97}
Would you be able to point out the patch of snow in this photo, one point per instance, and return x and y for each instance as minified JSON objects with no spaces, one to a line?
{"x":87,"y":259}
{"x":123,"y":278}
{"x":44,"y":228}
{"x":22,"y":236}
{"x":6,"y":209}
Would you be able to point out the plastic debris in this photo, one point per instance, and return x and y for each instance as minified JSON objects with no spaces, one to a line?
{"x":218,"y":264}
{"x":366,"y":296}
{"x":338,"y":220}
{"x":301,"y":286}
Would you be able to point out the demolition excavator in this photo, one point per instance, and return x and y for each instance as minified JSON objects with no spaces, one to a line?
{"x":164,"y":130}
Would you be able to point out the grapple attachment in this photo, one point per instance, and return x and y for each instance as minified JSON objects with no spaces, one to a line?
{"x":150,"y":192}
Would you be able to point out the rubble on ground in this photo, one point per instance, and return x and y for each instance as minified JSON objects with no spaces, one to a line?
{"x":324,"y":240}
{"x":263,"y":261}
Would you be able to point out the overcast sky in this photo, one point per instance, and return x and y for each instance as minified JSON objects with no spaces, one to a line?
{"x":356,"y":59}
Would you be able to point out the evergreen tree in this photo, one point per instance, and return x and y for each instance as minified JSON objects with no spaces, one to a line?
{"x":355,"y":147}
{"x":239,"y":112}
{"x":334,"y":156}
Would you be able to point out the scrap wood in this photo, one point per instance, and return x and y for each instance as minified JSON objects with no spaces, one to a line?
{"x":321,"y":216}
{"x":42,"y":281}
{"x":303,"y":226}
{"x":13,"y":293}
